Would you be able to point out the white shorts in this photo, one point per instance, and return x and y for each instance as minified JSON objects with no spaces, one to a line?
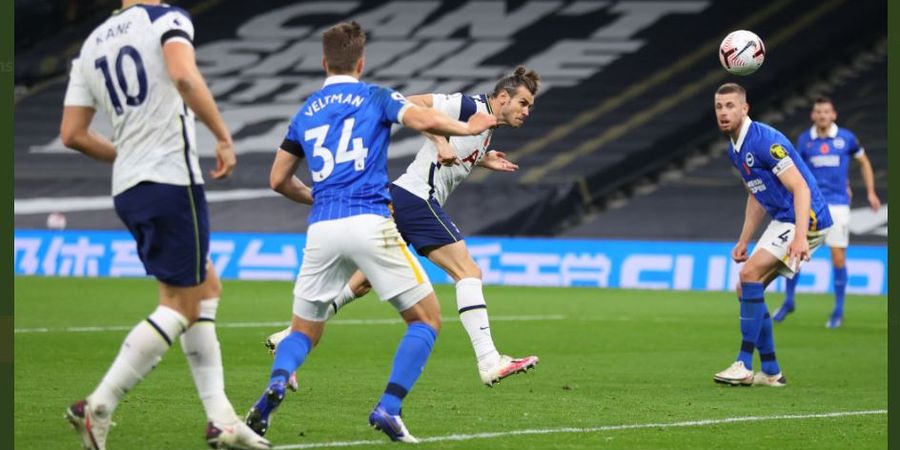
{"x":337,"y":248}
{"x":777,"y":240}
{"x":839,"y":233}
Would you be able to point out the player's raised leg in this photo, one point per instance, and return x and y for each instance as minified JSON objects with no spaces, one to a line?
{"x":458,"y":263}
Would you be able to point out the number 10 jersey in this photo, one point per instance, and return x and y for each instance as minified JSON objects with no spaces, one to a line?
{"x":121,"y":71}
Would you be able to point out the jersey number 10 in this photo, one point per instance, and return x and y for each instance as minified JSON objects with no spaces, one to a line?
{"x":357,"y":155}
{"x":131,"y":100}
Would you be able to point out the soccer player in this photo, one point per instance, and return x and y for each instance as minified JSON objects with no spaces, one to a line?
{"x":419,"y":194}
{"x":827,"y":149}
{"x":139,"y":68}
{"x":343,"y":131}
{"x":780,"y":184}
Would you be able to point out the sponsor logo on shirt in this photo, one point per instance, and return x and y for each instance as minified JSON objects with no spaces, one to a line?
{"x":756,"y":185}
{"x":825,"y":160}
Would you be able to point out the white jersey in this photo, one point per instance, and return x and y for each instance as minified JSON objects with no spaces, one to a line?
{"x":425,"y":177}
{"x":121,"y":71}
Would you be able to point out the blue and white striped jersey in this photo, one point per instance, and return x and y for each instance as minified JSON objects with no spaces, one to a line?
{"x":343,"y":131}
{"x":761,"y":154}
{"x":829,"y":160}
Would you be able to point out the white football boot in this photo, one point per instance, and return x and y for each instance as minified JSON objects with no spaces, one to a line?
{"x":736,"y":375}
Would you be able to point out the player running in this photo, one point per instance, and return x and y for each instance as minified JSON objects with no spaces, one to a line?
{"x":139,"y":68}
{"x":343,"y":131}
{"x":780,"y":184}
{"x":420,"y":193}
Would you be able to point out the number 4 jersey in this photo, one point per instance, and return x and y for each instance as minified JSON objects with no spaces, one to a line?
{"x":121,"y":71}
{"x":343,"y":130}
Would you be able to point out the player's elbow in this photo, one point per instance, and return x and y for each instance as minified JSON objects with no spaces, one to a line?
{"x":276,"y":183}
{"x":70,"y":136}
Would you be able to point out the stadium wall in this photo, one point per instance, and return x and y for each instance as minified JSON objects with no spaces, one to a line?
{"x":704,"y":266}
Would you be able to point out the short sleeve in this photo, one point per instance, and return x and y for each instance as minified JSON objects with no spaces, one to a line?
{"x":775,"y":155}
{"x":77,"y":92}
{"x":292,"y":141}
{"x":174,"y":25}
{"x":392,"y":103}
{"x":457,"y":106}
{"x":855,"y":149}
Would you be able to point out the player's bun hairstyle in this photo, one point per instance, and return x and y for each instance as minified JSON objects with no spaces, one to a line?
{"x":731,"y":88}
{"x":520,"y":77}
{"x":343,"y":46}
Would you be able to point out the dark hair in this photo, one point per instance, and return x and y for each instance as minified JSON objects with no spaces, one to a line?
{"x":520,"y":77}
{"x":342,"y":46}
{"x":823,"y":99}
{"x":731,"y":88}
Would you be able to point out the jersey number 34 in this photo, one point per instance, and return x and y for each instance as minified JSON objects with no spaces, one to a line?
{"x":357,"y":155}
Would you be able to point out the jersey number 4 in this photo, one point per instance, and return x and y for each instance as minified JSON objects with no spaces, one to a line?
{"x":357,"y":155}
{"x":131,"y":100}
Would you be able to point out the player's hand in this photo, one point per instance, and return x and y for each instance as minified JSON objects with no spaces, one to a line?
{"x":446,"y":154}
{"x":797,"y":252}
{"x":739,"y":252}
{"x":496,"y":160}
{"x":874,"y":202}
{"x":225,"y":160}
{"x":480,"y":121}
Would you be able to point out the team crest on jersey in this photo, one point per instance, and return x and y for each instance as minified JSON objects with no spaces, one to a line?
{"x":839,"y":143}
{"x":777,"y":151}
{"x":749,"y":160}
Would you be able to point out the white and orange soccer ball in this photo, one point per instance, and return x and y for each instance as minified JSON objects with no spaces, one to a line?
{"x":742,"y":52}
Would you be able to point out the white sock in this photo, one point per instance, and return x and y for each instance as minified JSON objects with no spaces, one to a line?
{"x":201,"y":347}
{"x":346,"y":296}
{"x":142,"y":349}
{"x":473,"y":315}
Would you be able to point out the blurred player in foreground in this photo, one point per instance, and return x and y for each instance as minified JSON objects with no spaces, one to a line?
{"x":780,"y":184}
{"x":343,"y":131}
{"x":826,"y":149}
{"x":418,"y":197}
{"x":139,"y":68}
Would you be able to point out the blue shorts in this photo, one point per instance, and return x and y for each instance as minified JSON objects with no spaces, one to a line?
{"x":171,"y":226}
{"x":424,"y":224}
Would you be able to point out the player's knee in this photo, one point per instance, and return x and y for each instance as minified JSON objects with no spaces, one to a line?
{"x":750,"y":274}
{"x":361,"y":289}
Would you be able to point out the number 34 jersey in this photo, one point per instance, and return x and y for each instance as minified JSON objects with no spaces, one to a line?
{"x":343,"y":131}
{"x":121,"y":71}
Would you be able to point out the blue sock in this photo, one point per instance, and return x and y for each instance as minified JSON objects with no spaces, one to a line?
{"x":412,"y":354}
{"x":840,"y":289}
{"x":289,"y":355}
{"x":790,"y":286}
{"x":766,"y":346}
{"x":753,"y":307}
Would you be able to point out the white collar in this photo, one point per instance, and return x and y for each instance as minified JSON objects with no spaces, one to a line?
{"x":334,"y":79}
{"x":832,"y":131}
{"x":745,"y":125}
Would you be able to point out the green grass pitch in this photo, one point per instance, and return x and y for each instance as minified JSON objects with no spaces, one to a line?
{"x":619,"y":369}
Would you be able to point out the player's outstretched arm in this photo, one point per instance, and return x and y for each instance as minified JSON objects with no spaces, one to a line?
{"x":436,"y":122}
{"x":796,"y":184}
{"x":283,"y":181}
{"x":868,"y":175}
{"x":76,"y":133}
{"x":182,"y":67}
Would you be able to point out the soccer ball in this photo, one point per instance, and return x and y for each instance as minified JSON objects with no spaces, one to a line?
{"x":742,"y":52}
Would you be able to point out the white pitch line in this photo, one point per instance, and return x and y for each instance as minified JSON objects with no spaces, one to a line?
{"x":692,"y":423}
{"x":97,"y":329}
